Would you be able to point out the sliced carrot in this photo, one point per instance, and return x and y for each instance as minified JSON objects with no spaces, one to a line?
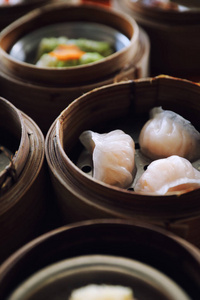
{"x":67,"y":52}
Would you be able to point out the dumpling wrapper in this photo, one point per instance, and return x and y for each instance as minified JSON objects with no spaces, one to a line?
{"x":113,"y":156}
{"x":166,"y":134}
{"x":172,"y":174}
{"x":102,"y":292}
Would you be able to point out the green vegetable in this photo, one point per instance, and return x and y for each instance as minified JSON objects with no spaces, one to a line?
{"x":90,"y":57}
{"x":49,"y":44}
{"x":103,"y":48}
{"x":95,"y":51}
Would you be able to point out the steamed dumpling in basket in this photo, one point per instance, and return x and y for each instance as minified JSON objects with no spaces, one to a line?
{"x":113,"y":156}
{"x":174,"y":174}
{"x":166,"y":134}
{"x":102,"y":292}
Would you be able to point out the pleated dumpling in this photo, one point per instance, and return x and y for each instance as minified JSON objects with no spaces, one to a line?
{"x":166,"y":134}
{"x":113,"y":156}
{"x":172,"y":174}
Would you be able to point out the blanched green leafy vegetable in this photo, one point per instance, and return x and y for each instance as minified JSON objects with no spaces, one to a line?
{"x":90,"y":57}
{"x":49,"y":44}
{"x":64,"y":52}
{"x":101,"y":47}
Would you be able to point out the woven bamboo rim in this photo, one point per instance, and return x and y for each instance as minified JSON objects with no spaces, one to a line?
{"x":177,"y":258}
{"x":22,"y":206}
{"x":61,"y":12}
{"x":12,"y":119}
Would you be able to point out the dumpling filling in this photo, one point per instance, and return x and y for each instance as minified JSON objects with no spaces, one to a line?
{"x":102,"y":292}
{"x":166,"y":134}
{"x":113,"y":156}
{"x":172,"y":174}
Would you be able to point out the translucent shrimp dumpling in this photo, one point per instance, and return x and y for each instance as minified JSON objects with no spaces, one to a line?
{"x":102,"y":292}
{"x":113,"y":156}
{"x":172,"y":174}
{"x":167,"y":133}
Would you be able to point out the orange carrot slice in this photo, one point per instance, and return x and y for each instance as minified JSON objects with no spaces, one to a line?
{"x":67,"y":52}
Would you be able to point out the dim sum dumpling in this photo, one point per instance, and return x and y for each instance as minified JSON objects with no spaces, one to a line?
{"x":102,"y":292}
{"x":172,"y":174}
{"x":166,"y":134}
{"x":113,"y":156}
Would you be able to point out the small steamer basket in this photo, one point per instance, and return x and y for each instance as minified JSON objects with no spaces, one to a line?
{"x":22,"y":180}
{"x":120,"y":106}
{"x":154,"y":263}
{"x":14,"y":145}
{"x":174,"y":35}
{"x":35,"y":89}
{"x":11,"y":10}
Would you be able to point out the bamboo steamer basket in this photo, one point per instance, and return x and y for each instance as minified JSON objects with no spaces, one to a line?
{"x":144,"y":243}
{"x":22,"y":179}
{"x":36,"y":89}
{"x":174,"y":36}
{"x":123,"y":106}
{"x":14,"y":145}
{"x":9,"y":12}
{"x":80,"y":272}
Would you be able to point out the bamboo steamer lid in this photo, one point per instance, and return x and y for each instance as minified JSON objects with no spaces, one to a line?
{"x":138,"y":241}
{"x":22,"y":179}
{"x":120,"y":106}
{"x":36,"y":89}
{"x":9,"y":12}
{"x":174,"y":35}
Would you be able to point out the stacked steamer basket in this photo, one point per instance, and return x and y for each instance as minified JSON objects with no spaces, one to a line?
{"x":154,"y":263}
{"x":173,"y":28}
{"x":11,"y":10}
{"x":43,"y":93}
{"x":120,"y":106}
{"x":22,"y":180}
